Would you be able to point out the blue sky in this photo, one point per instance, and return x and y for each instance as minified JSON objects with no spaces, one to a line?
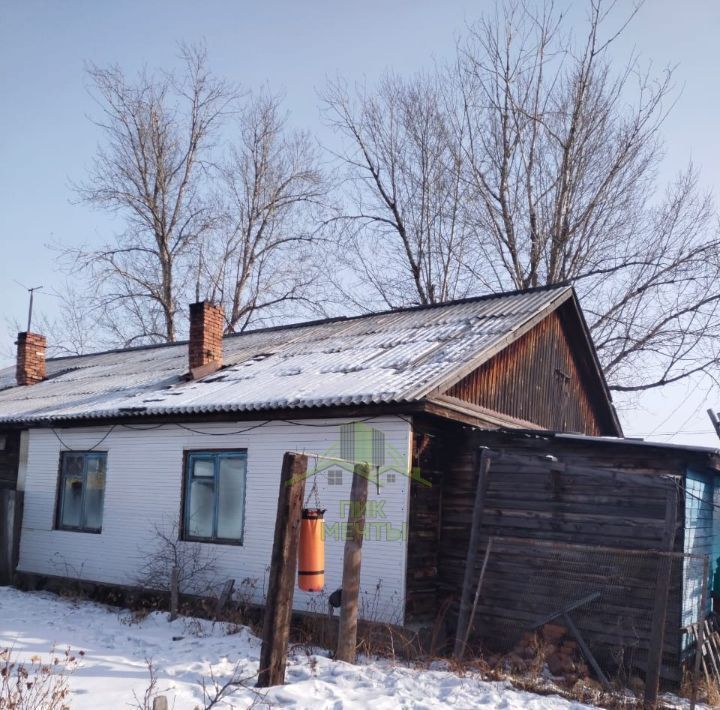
{"x":46,"y":139}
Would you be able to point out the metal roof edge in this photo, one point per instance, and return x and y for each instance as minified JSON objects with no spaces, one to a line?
{"x":616,"y":441}
{"x":135,"y":413}
{"x":632,"y":441}
{"x":441,"y":385}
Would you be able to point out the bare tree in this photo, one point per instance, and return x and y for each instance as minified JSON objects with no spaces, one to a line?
{"x":655,"y":312}
{"x":216,"y":691}
{"x":262,"y":258}
{"x":555,"y":153}
{"x":217,"y":197}
{"x":564,"y":171}
{"x":402,"y":220}
{"x":192,"y":564}
{"x":74,"y":330}
{"x":151,"y":170}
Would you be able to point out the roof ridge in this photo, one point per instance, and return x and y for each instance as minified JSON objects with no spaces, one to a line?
{"x":405,"y":309}
{"x":563,"y":285}
{"x":441,"y":384}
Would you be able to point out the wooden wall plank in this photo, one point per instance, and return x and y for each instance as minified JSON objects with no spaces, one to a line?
{"x":586,"y":495}
{"x":539,"y":378}
{"x":421,"y":584}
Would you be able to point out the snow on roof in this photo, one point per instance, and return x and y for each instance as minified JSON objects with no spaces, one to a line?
{"x":391,"y":357}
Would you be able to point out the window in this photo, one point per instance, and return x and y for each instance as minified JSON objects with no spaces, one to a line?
{"x":391,"y":477}
{"x":334,"y":477}
{"x":215,"y":496}
{"x":82,"y":490}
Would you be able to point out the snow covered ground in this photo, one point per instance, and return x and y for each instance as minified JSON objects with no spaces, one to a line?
{"x":116,"y":647}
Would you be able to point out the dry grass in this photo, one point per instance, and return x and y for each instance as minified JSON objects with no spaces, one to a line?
{"x":708,"y":690}
{"x":35,"y":684}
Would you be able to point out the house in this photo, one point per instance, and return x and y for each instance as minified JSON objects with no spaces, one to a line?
{"x":189,"y":438}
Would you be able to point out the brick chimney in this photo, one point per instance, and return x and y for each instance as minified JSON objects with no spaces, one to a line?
{"x":205,"y":348}
{"x":30,"y":367}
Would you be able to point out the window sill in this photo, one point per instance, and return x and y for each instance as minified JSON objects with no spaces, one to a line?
{"x":87,"y":531}
{"x":212,"y":541}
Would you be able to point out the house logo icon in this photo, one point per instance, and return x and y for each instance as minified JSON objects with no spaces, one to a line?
{"x":359,"y":443}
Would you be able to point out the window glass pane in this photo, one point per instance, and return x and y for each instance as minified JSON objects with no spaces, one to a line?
{"x":231,"y":497}
{"x":203,"y":468}
{"x":201,"y":507}
{"x":94,"y":493}
{"x":96,"y":466}
{"x":82,"y":488}
{"x":73,"y":464}
{"x":71,"y":508}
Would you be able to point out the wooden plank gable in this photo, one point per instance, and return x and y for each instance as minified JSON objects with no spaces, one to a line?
{"x":547,"y":377}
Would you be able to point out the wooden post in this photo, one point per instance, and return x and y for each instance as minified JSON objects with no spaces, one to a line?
{"x":17,"y":528}
{"x":7,"y":541}
{"x":662,"y":590}
{"x":700,"y":635}
{"x":347,"y":631}
{"x":283,"y":565}
{"x":478,"y":589}
{"x":473,"y":544}
{"x":160,"y":702}
{"x":174,"y":593}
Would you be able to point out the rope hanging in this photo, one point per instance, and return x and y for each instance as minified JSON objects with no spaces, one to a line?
{"x":314,"y":488}
{"x":311,"y":550}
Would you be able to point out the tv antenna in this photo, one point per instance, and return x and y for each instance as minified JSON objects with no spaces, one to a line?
{"x":31,"y":291}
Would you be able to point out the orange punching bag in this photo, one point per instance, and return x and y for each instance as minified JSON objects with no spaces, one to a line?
{"x":311,"y":563}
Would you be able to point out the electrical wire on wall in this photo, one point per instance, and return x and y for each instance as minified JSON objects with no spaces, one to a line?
{"x":92,"y":448}
{"x":185,"y":427}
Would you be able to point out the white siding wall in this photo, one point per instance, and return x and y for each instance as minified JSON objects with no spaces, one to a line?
{"x":143,"y":488}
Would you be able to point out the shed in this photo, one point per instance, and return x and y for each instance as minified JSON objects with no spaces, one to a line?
{"x":570,"y":516}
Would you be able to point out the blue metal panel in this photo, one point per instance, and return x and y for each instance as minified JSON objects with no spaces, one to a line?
{"x":715,"y":558}
{"x":700,"y":538}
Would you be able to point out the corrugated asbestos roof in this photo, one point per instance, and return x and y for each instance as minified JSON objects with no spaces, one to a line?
{"x":392,"y":357}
